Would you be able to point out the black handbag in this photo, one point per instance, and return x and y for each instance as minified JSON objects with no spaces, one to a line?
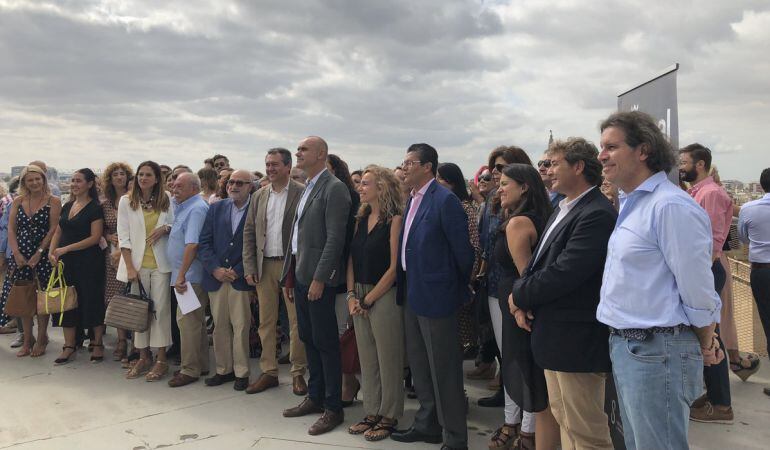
{"x":130,"y":311}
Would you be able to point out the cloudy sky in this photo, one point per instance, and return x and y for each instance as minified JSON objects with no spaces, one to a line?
{"x":86,"y":82}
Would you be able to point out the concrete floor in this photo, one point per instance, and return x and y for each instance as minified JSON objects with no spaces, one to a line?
{"x":86,"y":406}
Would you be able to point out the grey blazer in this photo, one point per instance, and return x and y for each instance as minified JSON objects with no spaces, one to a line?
{"x":255,"y":228}
{"x":321,"y":239}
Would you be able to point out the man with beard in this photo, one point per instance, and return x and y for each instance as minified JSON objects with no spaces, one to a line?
{"x":694,"y":165}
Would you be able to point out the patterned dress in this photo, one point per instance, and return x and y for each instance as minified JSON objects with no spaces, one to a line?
{"x":467,"y":316}
{"x":30,"y":232}
{"x":112,"y":286}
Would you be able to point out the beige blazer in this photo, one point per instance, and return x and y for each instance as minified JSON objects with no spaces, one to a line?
{"x":132,"y":235}
{"x":255,"y":228}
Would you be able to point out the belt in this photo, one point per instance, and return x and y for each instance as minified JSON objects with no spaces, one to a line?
{"x":642,"y":334}
{"x":274,"y":258}
{"x":760,"y":265}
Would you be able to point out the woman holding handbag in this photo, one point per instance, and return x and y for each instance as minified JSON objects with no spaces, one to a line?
{"x":76,"y":244}
{"x":145,"y":217}
{"x":32,"y":222}
{"x":377,"y":318}
{"x":115,"y":182}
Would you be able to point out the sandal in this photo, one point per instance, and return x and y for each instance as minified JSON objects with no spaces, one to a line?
{"x":743,"y":370}
{"x":525,"y":441}
{"x":159,"y":370}
{"x":141,"y":367}
{"x":381,"y":431}
{"x":129,"y":360}
{"x":365,"y":425}
{"x":25,"y":350}
{"x":121,"y":349}
{"x":70,"y":356}
{"x":504,"y":437}
{"x":95,"y":358}
{"x":39,"y":348}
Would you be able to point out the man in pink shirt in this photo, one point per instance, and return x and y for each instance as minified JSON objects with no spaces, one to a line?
{"x":694,"y":165}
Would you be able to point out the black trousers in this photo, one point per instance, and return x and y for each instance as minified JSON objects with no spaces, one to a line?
{"x":760,"y":287}
{"x":717,"y":377}
{"x":317,"y":326}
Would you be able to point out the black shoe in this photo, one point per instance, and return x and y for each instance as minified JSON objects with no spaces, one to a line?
{"x":412,"y":435}
{"x":470,"y":352}
{"x":766,"y":390}
{"x":241,"y":383}
{"x":493,"y":401}
{"x":218,"y":379}
{"x":284,"y":359}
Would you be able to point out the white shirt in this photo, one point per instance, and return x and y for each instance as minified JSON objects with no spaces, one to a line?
{"x":276,"y":206}
{"x":564,"y":208}
{"x":301,"y":207}
{"x":236,"y":214}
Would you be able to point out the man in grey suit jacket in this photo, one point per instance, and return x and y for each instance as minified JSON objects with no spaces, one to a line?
{"x":311,"y":276}
{"x":266,"y":233}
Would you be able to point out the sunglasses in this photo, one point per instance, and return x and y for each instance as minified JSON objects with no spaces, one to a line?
{"x":499,"y":167}
{"x":485,"y":178}
{"x":544,"y":163}
{"x":238,"y":183}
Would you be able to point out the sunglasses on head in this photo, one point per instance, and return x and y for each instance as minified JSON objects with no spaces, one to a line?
{"x":544,"y":163}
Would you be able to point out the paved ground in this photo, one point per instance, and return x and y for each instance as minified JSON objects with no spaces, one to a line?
{"x":84,"y":406}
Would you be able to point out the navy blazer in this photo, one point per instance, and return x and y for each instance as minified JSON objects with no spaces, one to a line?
{"x":218,"y":247}
{"x":439,"y":256}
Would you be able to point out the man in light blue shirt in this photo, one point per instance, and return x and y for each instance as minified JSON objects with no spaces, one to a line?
{"x":657,"y":292}
{"x":189,"y":215}
{"x":754,"y":229}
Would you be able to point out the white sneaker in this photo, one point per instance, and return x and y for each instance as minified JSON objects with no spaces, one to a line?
{"x":18,"y":341}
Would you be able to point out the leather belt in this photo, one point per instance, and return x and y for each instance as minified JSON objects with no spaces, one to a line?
{"x":760,"y":265}
{"x":274,"y":258}
{"x":642,"y":334}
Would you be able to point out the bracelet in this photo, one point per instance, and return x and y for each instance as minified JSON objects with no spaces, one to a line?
{"x":363,"y":305}
{"x":351,"y":294}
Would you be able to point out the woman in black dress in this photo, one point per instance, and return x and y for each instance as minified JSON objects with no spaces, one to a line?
{"x":526,"y":209}
{"x":76,"y":244}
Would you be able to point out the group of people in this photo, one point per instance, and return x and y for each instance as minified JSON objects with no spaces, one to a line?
{"x":588,"y":265}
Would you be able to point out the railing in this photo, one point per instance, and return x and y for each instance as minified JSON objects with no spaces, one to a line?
{"x":751,"y":336}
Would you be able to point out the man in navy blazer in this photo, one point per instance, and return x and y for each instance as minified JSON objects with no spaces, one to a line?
{"x":220,"y":251}
{"x":435,"y":261}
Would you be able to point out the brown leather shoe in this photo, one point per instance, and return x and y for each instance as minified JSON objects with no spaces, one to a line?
{"x":303,"y":409}
{"x":327,"y":422}
{"x":181,"y":379}
{"x":298,"y":385}
{"x":264,"y":382}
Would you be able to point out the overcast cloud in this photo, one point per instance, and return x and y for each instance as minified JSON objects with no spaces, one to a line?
{"x":83,"y":83}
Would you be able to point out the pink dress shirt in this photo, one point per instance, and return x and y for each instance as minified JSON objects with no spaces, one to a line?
{"x":416,"y":200}
{"x":719,"y":207}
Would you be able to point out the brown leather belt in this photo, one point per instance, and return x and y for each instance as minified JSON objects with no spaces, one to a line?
{"x":760,"y":265}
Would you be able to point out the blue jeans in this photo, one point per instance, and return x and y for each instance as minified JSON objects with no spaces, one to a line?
{"x":657,"y":381}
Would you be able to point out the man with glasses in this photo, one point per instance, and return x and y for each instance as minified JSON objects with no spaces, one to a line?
{"x":220,"y":251}
{"x":435,"y":260}
{"x":542,"y":166}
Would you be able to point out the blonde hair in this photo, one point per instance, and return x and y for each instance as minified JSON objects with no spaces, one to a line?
{"x":23,"y":191}
{"x":389,"y":197}
{"x":106,"y":180}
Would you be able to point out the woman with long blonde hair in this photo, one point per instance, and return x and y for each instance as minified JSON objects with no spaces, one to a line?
{"x":377,"y":318}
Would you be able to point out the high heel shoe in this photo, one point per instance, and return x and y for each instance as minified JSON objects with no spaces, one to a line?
{"x":68,"y":358}
{"x":346,"y":403}
{"x":740,"y":369}
{"x":97,"y":359}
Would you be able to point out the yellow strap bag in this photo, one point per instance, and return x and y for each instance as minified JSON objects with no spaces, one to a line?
{"x":57,"y":297}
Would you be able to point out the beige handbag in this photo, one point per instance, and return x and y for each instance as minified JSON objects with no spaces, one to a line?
{"x":57,"y":297}
{"x":22,"y":300}
{"x":130,"y":311}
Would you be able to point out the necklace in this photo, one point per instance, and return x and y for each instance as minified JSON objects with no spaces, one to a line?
{"x":147,"y":206}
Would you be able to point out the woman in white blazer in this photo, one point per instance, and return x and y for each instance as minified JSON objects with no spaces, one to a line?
{"x":145,"y":216}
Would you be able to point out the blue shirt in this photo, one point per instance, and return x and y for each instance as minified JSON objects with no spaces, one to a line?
{"x":189,"y":217}
{"x":301,"y":207}
{"x":4,"y":219}
{"x":658,"y":267}
{"x":754,"y":228}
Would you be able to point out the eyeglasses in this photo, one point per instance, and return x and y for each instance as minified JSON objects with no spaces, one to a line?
{"x":544,"y":163}
{"x":238,"y":183}
{"x":485,"y":178}
{"x":498,"y":167}
{"x":408,"y":163}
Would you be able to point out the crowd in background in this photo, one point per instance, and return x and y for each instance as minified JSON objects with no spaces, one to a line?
{"x":551,"y":276}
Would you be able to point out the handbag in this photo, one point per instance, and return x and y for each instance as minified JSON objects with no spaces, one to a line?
{"x":22,"y":300}
{"x":349,"y":352}
{"x":130,"y":311}
{"x":57,"y":297}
